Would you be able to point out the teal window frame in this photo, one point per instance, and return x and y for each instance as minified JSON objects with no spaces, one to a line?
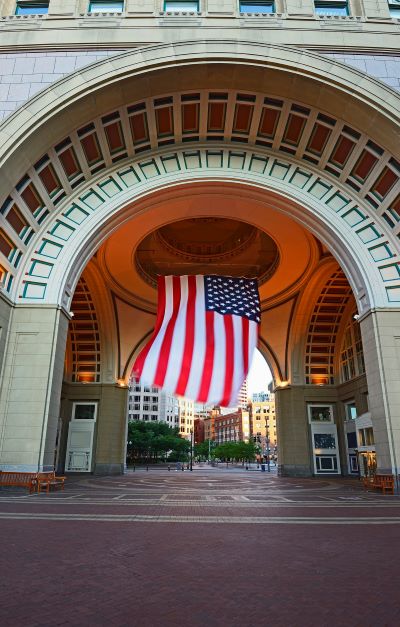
{"x":394,"y":9}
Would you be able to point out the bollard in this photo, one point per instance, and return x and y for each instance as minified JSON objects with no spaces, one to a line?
{"x":147,"y":468}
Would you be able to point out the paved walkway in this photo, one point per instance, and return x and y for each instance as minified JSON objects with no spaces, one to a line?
{"x":212,"y":548}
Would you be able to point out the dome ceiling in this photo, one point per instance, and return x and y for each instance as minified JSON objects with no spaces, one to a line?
{"x":190,"y":230}
{"x":207,"y":245}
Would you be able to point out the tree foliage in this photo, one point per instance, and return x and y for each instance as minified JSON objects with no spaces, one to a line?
{"x":152,"y":441}
{"x":237,"y":451}
{"x":204,"y":449}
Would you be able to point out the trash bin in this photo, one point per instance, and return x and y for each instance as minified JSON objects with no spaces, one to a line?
{"x":262,"y":467}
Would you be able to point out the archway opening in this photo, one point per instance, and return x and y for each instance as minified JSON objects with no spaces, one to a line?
{"x":306,"y":302}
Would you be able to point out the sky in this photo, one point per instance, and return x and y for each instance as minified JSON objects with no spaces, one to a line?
{"x":259,"y":375}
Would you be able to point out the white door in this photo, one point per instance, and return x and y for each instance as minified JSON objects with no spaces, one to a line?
{"x":80,"y":437}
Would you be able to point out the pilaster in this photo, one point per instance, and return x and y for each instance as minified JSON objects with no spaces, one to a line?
{"x":294,"y":450}
{"x":110,"y":448}
{"x":381,"y":342}
{"x":31,"y":386}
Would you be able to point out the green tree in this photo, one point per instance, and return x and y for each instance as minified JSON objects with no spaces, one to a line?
{"x":204,"y":449}
{"x":150,"y":442}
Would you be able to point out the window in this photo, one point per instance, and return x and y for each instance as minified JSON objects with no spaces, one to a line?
{"x":106,"y":7}
{"x":31,"y":8}
{"x":394,"y":8}
{"x":351,"y":355}
{"x":181,"y":5}
{"x":320,"y":413}
{"x":326,"y":463}
{"x":85,"y":411}
{"x":260,"y":6}
{"x":332,"y":7}
{"x":324,"y":440}
{"x":351,"y":411}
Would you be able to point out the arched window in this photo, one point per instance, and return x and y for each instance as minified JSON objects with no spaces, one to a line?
{"x":351,"y":355}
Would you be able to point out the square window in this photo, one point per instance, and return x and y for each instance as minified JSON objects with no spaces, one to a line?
{"x":181,"y":5}
{"x":246,"y":6}
{"x":31,"y":8}
{"x":106,"y":7}
{"x":333,"y":7}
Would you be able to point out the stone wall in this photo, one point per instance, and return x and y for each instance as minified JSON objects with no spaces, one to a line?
{"x":385,"y":68}
{"x":24,"y":74}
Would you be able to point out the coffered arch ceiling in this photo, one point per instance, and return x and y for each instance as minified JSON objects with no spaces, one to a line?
{"x":240,"y":95}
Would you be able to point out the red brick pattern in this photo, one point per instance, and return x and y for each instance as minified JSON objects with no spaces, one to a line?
{"x":337,"y":566}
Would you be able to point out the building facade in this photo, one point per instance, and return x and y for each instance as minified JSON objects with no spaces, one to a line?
{"x":233,"y":427}
{"x":251,"y":139}
{"x":151,"y":404}
{"x":263,"y":423}
{"x":186,"y":416}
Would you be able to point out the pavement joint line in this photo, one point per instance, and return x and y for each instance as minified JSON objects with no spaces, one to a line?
{"x":303,"y":520}
{"x":212,"y":503}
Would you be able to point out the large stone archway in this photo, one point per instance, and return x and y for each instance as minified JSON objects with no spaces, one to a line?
{"x":131,"y":138}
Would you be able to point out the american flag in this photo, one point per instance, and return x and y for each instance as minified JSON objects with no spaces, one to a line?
{"x":205,"y":335}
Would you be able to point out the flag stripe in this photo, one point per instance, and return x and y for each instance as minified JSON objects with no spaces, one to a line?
{"x":253,"y":341}
{"x":208,"y":358}
{"x":229,"y":360}
{"x":178,"y":339}
{"x":199,"y":349}
{"x":162,"y":365}
{"x":150,"y":364}
{"x":189,"y":338}
{"x":216,"y":389}
{"x":140,"y":360}
{"x":238,"y":370}
{"x":245,"y":344}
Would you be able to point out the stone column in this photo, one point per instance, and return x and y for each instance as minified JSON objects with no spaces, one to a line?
{"x":110,"y":446}
{"x":294,"y":449}
{"x":380,"y":332}
{"x":31,"y":386}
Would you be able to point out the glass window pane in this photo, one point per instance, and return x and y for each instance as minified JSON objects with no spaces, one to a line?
{"x":84,"y":412}
{"x":394,"y":11}
{"x":181,"y":5}
{"x":324,"y":440}
{"x":320,"y":414}
{"x":32,"y":8}
{"x":331,"y":8}
{"x":106,"y":7}
{"x":257,"y":7}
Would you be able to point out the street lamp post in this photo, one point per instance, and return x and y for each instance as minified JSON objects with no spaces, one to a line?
{"x":191,"y":450}
{"x":267,"y":443}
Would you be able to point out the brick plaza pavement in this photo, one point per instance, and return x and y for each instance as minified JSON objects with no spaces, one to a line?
{"x":211,"y":548}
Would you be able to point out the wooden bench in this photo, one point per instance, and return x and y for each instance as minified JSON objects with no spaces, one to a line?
{"x":19,"y":479}
{"x":380,"y":482}
{"x":47,"y":480}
